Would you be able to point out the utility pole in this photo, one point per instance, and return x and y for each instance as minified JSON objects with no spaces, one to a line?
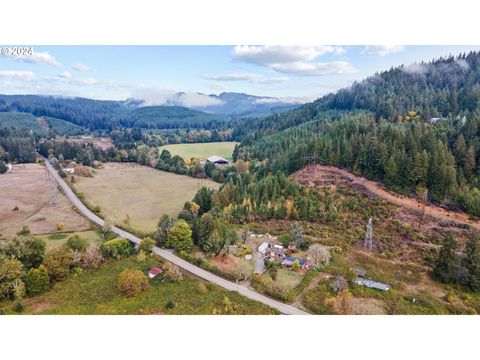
{"x":369,"y":236}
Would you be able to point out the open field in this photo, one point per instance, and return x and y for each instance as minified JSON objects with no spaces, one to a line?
{"x":145,"y":194}
{"x":28,"y":188}
{"x":52,"y":240}
{"x":96,"y":292}
{"x":202,"y":150}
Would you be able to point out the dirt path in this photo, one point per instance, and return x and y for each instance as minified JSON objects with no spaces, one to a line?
{"x":378,"y":190}
{"x":313,"y":283}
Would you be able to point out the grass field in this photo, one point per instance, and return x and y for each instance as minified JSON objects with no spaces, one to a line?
{"x":28,"y":188}
{"x":202,"y":150}
{"x":52,"y":240}
{"x":145,"y":194}
{"x":96,"y":292}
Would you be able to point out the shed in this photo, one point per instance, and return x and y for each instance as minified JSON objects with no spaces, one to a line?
{"x":69,"y":170}
{"x":154,"y":272}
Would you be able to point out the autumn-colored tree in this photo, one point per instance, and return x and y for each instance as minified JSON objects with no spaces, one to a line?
{"x":132,"y":282}
{"x":38,"y":280}
{"x":58,"y":261}
{"x":180,"y":237}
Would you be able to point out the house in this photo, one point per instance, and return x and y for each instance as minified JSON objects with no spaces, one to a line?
{"x":263,"y":247}
{"x":218,"y":161}
{"x":274,"y":252}
{"x":69,"y":170}
{"x":9,"y":167}
{"x":154,"y":272}
{"x":288,"y":261}
{"x":372,"y":284}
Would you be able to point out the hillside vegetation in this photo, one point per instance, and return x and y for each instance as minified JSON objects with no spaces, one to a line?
{"x":416,"y":131}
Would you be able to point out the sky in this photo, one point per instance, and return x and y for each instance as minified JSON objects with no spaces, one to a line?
{"x":153,"y":73}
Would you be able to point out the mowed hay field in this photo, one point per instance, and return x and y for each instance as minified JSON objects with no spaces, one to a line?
{"x":202,"y":150}
{"x":28,"y":188}
{"x":145,"y":194}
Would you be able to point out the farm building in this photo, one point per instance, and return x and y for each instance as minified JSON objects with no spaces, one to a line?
{"x":69,"y":170}
{"x":217,"y":161}
{"x":9,"y":167}
{"x":288,"y":261}
{"x":372,"y":284}
{"x":154,"y":272}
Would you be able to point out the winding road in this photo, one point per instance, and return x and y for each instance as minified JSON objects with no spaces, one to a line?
{"x":228,"y":285}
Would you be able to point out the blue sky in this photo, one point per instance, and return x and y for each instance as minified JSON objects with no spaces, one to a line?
{"x":154,"y":72}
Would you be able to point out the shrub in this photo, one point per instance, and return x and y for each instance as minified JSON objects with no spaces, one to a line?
{"x":97,"y":209}
{"x":146,"y":245}
{"x":172,"y":272}
{"x":77,"y":243}
{"x":132,"y":282}
{"x":60,"y":226}
{"x":117,"y":248}
{"x":18,"y":308}
{"x":170,"y":304}
{"x":38,"y":281}
{"x":58,"y":262}
{"x":92,"y":258}
{"x":29,"y":250}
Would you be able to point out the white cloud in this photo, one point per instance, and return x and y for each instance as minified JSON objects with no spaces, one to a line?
{"x":17,"y":74}
{"x":415,"y":68}
{"x":301,"y":68}
{"x":81,"y":67}
{"x":266,"y":55}
{"x":284,"y":100}
{"x":153,"y":97}
{"x":382,"y":50}
{"x":65,"y":75}
{"x":249,"y":77}
{"x":294,"y":60}
{"x":36,"y":58}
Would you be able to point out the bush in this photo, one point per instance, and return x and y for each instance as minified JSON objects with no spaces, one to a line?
{"x":117,"y":248}
{"x":58,"y":262}
{"x":60,"y":226}
{"x":172,"y":272}
{"x":92,"y":258}
{"x":132,"y":282}
{"x":38,"y":281}
{"x":18,"y":308}
{"x":146,"y":245}
{"x":77,"y":243}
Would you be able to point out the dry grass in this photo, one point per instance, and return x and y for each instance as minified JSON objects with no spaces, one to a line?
{"x":103,"y":143}
{"x":28,"y":188}
{"x":145,"y":194}
{"x":202,"y":150}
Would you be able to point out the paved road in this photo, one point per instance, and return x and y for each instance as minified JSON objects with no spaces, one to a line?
{"x":283,"y":308}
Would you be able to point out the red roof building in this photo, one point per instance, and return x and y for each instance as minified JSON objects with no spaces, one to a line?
{"x":154,"y":272}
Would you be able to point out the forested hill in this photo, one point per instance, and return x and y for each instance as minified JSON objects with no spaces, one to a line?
{"x":446,"y":87}
{"x":169,"y":117}
{"x":88,"y":113}
{"x":414,"y":128}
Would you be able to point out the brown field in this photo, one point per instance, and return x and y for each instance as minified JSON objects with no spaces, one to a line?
{"x":28,"y":188}
{"x":145,"y":194}
{"x":103,"y":143}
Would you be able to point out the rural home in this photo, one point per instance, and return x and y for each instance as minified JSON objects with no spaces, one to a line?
{"x":9,"y":167}
{"x":275,"y":252}
{"x":154,"y":272}
{"x":69,"y":170}
{"x":217,"y":161}
{"x":288,"y":261}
